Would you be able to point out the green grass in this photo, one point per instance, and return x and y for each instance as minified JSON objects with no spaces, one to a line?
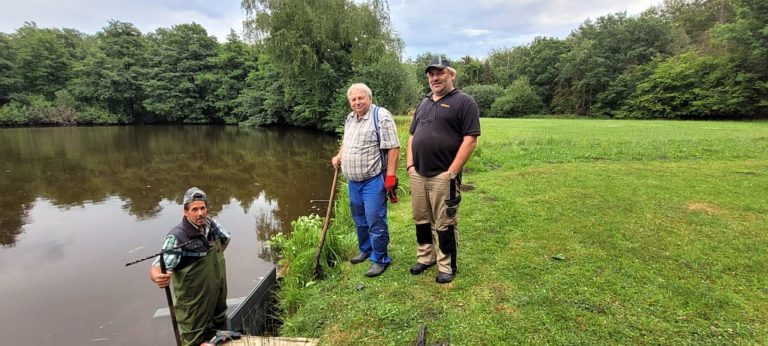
{"x":663,"y":226}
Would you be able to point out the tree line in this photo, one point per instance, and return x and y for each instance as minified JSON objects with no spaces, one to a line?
{"x":682,"y":59}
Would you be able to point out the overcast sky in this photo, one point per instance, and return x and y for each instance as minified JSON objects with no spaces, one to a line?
{"x":453,"y":27}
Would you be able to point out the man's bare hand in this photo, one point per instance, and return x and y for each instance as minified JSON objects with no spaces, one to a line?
{"x":160,"y":279}
{"x":336,"y":161}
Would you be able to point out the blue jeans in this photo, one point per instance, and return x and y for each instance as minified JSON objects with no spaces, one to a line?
{"x":368,"y":203}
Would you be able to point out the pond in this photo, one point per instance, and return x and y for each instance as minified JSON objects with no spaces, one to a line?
{"x":77,"y":204}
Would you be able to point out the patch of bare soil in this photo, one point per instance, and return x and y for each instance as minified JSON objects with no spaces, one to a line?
{"x":705,"y":207}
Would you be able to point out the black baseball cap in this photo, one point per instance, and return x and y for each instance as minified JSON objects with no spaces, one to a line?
{"x":438,"y":63}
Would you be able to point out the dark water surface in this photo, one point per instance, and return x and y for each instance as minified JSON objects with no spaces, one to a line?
{"x":76,"y":204}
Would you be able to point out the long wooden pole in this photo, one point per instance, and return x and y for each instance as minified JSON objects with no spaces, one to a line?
{"x":327,"y":220}
{"x":170,"y":304}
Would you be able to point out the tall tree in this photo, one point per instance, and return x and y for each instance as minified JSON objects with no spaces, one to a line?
{"x":519,"y":99}
{"x":601,"y":51}
{"x":507,"y":64}
{"x":261,"y":101}
{"x":746,"y":42}
{"x":541,"y":68}
{"x":227,"y":78}
{"x":318,"y":47}
{"x":692,"y":86}
{"x":694,"y":18}
{"x":472,"y":71}
{"x":389,"y":80}
{"x":179,"y":57}
{"x":580,"y":72}
{"x":8,"y":81}
{"x":44,"y":58}
{"x":110,"y":75}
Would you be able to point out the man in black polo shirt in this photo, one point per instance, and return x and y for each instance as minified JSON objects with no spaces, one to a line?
{"x":443,"y":136}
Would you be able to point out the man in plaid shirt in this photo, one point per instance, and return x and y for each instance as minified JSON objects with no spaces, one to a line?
{"x":368,"y":158}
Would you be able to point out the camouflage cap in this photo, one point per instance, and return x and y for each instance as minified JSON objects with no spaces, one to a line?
{"x":439,"y":63}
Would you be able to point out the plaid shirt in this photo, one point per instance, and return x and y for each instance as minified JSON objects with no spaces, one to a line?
{"x":361,"y":156}
{"x":172,"y":259}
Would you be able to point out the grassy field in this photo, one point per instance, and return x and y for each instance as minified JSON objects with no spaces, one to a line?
{"x":572,"y":232}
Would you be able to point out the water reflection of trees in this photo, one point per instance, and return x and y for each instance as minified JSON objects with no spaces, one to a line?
{"x":146,"y":165}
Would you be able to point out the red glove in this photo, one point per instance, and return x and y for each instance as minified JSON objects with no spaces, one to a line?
{"x":390,"y":184}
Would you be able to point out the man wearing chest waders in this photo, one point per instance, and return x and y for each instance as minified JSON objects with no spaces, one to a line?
{"x":198,"y":271}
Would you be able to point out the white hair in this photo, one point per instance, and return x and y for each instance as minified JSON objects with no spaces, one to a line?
{"x":360,"y":87}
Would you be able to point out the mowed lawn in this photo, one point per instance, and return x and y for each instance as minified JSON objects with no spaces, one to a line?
{"x":575,"y":232}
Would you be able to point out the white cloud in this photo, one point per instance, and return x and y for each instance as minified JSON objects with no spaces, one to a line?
{"x":432,"y":26}
{"x":453,"y":27}
{"x":569,"y":13}
{"x":90,"y":16}
{"x":475,"y":32}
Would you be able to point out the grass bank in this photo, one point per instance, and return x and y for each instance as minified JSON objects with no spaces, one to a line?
{"x":572,"y":232}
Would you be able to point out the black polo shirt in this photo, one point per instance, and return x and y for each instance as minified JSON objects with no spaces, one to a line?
{"x":438,"y":129}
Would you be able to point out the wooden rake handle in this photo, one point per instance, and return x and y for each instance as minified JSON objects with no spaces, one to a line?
{"x":327,"y":220}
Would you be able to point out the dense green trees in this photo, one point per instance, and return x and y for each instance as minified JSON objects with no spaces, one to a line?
{"x":40,"y":64}
{"x":518,"y":99}
{"x":601,"y":52}
{"x":121,"y":76}
{"x":683,"y":59}
{"x":44,"y":58}
{"x":746,"y":42}
{"x":485,"y":95}
{"x":472,"y":71}
{"x":689,"y":59}
{"x":227,"y":78}
{"x":7,"y":60}
{"x":109,"y":78}
{"x":179,"y":58}
{"x":317,"y":48}
{"x":721,"y":75}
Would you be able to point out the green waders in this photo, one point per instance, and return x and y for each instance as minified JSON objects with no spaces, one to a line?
{"x":200,"y":292}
